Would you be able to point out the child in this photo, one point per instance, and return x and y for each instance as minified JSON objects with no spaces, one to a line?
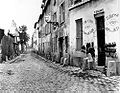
{"x":90,"y":61}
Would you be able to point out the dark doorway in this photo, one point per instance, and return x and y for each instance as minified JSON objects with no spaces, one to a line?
{"x":66,"y":44}
{"x":61,"y":46}
{"x":101,"y":40}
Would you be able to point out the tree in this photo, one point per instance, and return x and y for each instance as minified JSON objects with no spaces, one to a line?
{"x":24,"y":37}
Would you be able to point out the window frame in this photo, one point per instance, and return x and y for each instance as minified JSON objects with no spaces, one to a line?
{"x":62,"y":13}
{"x":79,"y":36}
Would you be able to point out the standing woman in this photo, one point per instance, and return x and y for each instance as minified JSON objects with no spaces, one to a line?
{"x":11,"y":48}
{"x":7,"y":47}
{"x":92,"y":52}
{"x":83,"y":51}
{"x":4,"y":47}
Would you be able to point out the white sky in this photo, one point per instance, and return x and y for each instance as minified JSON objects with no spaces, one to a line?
{"x":21,"y":11}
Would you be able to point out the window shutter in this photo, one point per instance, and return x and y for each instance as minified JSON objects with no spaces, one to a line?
{"x":79,"y":34}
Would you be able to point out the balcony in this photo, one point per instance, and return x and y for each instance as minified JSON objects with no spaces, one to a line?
{"x":75,"y":3}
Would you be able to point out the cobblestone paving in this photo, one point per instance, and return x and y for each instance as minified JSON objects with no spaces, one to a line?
{"x":30,"y":75}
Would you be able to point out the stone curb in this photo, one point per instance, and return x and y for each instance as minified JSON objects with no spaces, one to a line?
{"x":51,"y":62}
{"x":73,"y":71}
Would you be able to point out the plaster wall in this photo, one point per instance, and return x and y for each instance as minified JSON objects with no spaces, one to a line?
{"x":86,"y":12}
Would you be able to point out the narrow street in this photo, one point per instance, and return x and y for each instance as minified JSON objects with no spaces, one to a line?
{"x":30,"y":74}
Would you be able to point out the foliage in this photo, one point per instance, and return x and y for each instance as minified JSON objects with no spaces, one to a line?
{"x":24,"y":37}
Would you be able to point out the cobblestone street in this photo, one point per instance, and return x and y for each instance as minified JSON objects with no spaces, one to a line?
{"x":30,"y":74}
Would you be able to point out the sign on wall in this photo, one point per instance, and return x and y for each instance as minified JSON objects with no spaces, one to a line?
{"x":89,"y":26}
{"x":112,"y":23}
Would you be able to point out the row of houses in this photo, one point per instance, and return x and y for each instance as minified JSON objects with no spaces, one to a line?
{"x":66,"y":25}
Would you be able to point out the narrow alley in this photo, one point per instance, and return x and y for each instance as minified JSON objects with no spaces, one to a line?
{"x":30,"y":73}
{"x":60,"y":46}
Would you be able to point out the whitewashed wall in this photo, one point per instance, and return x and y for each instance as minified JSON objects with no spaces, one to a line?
{"x":112,"y":23}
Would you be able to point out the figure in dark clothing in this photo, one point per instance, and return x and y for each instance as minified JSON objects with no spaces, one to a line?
{"x":7,"y":47}
{"x":87,"y":47}
{"x":92,"y":50}
{"x":83,"y":60}
{"x":83,"y":49}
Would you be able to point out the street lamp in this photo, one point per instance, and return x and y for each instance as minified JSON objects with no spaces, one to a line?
{"x":48,"y":20}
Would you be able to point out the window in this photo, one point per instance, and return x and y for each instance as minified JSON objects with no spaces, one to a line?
{"x":39,"y":34}
{"x":54,"y":2}
{"x":79,"y":34}
{"x":54,"y":19}
{"x":42,"y":21}
{"x":46,"y":29}
{"x":43,"y":31}
{"x":70,"y":3}
{"x":62,"y":12}
{"x":55,"y":44}
{"x":66,"y":44}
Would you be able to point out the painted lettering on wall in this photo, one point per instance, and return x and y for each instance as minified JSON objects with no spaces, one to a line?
{"x":88,"y":26}
{"x":112,"y":30}
{"x":111,"y":16}
{"x":112,"y":22}
{"x":110,"y":50}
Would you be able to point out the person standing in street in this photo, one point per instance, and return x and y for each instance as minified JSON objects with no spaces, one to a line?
{"x":91,"y":50}
{"x":83,"y":51}
{"x":7,"y":48}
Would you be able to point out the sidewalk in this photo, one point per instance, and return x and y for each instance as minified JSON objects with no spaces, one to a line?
{"x":71,"y":69}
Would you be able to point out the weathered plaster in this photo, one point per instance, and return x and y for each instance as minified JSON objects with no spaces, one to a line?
{"x":86,"y":12}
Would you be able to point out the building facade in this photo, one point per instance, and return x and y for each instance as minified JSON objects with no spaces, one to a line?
{"x":74,"y":23}
{"x":95,"y":22}
{"x":53,"y":35}
{"x":44,"y":33}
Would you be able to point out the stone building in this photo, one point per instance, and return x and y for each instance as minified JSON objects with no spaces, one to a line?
{"x":53,"y":35}
{"x":73,"y":23}
{"x":44,"y":33}
{"x":96,"y":22}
